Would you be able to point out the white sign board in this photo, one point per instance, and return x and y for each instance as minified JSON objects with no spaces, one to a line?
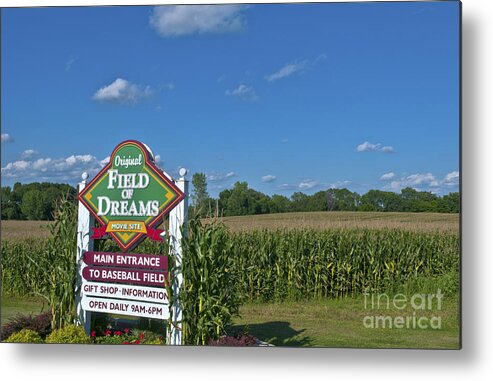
{"x":125,"y":307}
{"x":125,"y":291}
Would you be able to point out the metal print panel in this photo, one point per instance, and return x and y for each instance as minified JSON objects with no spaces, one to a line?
{"x":275,"y":175}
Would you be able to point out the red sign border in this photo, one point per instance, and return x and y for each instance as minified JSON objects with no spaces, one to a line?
{"x":159,"y":172}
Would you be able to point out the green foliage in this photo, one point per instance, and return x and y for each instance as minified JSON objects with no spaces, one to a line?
{"x":39,"y":324}
{"x":200,"y":196}
{"x":303,"y":264}
{"x":343,"y":200}
{"x":135,"y":336}
{"x":209,"y":296}
{"x":57,"y":264}
{"x":382,"y":201}
{"x":24,"y":336}
{"x":20,"y":275}
{"x":35,"y":205}
{"x":69,"y":334}
{"x":10,"y":204}
{"x":35,"y":201}
{"x":241,"y":200}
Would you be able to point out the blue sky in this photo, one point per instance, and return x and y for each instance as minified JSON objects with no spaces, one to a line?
{"x":288,"y":97}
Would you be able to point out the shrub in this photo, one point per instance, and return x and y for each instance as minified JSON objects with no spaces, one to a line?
{"x":70,"y":334}
{"x":129,"y":337}
{"x":24,"y":336}
{"x":239,"y":340}
{"x":39,"y":323}
{"x":147,"y":337}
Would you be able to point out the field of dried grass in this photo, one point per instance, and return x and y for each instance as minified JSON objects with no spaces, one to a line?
{"x":339,"y":220}
{"x":24,"y":229}
{"x":318,"y":220}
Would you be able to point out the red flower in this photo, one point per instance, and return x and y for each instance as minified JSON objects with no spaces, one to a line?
{"x":137,"y":341}
{"x":93,"y":334}
{"x":141,"y":336}
{"x":126,"y":342}
{"x":127,"y":330}
{"x":108,"y":332}
{"x":118,"y":333}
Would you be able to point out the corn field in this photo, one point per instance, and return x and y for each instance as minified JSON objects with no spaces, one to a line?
{"x":223,"y":269}
{"x":304,"y":264}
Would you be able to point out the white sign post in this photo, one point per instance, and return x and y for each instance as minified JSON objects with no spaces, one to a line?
{"x":84,"y":244}
{"x":178,"y":218}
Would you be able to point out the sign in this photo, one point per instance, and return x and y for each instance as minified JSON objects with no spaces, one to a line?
{"x":129,"y":199}
{"x":147,"y":261}
{"x":130,"y":196}
{"x":125,"y":307}
{"x":125,"y":276}
{"x":119,"y":291}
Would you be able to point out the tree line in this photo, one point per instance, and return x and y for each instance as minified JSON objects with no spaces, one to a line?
{"x":242,"y":200}
{"x":36,"y":201}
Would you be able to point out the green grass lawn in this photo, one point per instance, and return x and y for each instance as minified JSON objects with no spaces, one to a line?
{"x":340,"y":323}
{"x":319,"y":323}
{"x":11,"y":307}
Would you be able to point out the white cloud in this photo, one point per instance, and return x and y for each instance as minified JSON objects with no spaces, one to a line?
{"x":320,"y":57}
{"x":105,"y":161}
{"x":287,"y":187}
{"x":426,"y":181}
{"x":70,"y":62}
{"x":417,"y":180}
{"x":246,"y":93}
{"x":387,"y":176}
{"x":182,"y":20}
{"x":123,"y":92}
{"x":308,"y":184}
{"x":49,"y":169}
{"x":387,"y":149}
{"x":451,"y":179}
{"x":216,"y":177}
{"x":268,"y":178}
{"x":367,"y":147}
{"x":167,"y":86}
{"x":287,"y":70}
{"x":338,"y":184}
{"x":29,"y":153}
{"x":6,"y":138}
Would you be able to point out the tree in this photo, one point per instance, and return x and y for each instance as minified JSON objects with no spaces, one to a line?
{"x":345,"y":200}
{"x":416,"y":201}
{"x":449,"y":203}
{"x":299,"y":202}
{"x":317,"y":202}
{"x":279,"y":204}
{"x":35,"y":205}
{"x":331,"y":200}
{"x":238,"y":200}
{"x":200,"y":196}
{"x":9,"y":205}
{"x":382,"y":201}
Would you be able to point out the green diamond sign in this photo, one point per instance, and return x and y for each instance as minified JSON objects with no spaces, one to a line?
{"x":130,"y":196}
